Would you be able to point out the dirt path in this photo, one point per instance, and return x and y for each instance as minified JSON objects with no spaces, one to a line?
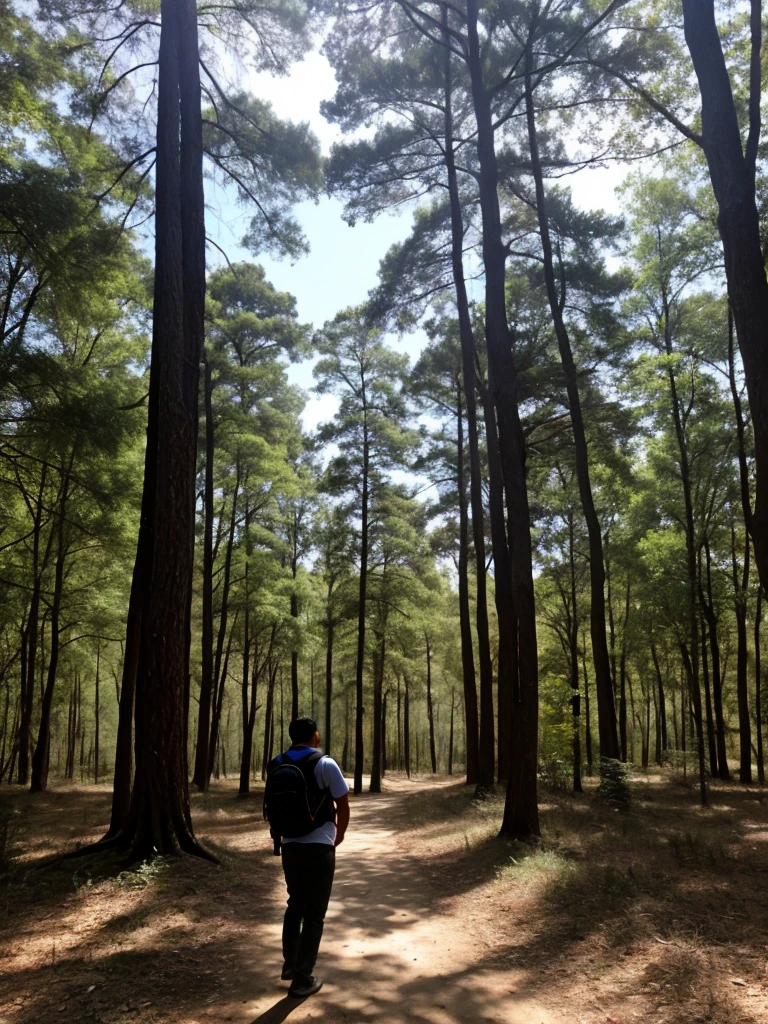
{"x":388,"y":953}
{"x":656,"y":916}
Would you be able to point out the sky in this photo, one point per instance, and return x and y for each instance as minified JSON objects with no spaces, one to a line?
{"x":343,"y":262}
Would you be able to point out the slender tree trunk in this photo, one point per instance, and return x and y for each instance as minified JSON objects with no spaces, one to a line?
{"x":623,"y":675}
{"x":384,"y":759}
{"x":661,"y":703}
{"x":450,"y":734}
{"x":200,"y":776}
{"x":691,"y":657}
{"x":362,"y":597}
{"x":328,"y":678}
{"x":219,"y":674}
{"x":742,"y":685}
{"x":713,"y":766}
{"x":587,"y":719}
{"x":609,"y":746}
{"x":467,"y":342}
{"x":345,"y":750}
{"x":573,"y":641}
{"x":294,"y":654}
{"x":465,"y":623}
{"x":30,"y":645}
{"x":758,"y":694}
{"x":378,"y":690}
{"x":123,"y":774}
{"x":407,"y":728}
{"x":430,"y":710}
{"x":40,"y":758}
{"x":96,"y":716}
{"x":718,"y":675}
{"x":269,"y":719}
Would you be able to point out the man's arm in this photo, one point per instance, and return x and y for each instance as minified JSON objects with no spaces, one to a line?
{"x":342,"y":818}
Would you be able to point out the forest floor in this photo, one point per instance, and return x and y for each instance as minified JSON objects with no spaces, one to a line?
{"x":658,"y":915}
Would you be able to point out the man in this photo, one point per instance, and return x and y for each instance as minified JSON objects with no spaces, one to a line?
{"x":309,"y":853}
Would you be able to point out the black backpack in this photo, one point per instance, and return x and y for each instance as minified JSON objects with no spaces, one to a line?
{"x":294,"y":804}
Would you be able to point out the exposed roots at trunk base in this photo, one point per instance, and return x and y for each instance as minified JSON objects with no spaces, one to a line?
{"x":133,"y":845}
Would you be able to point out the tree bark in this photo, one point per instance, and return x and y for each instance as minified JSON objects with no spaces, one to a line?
{"x":430,"y":710}
{"x":521,"y":816}
{"x":465,"y":623}
{"x":466,"y":338}
{"x":362,"y":597}
{"x":40,"y":758}
{"x":742,"y":685}
{"x":200,"y":776}
{"x":96,"y":716}
{"x":609,"y":745}
{"x":159,"y":819}
{"x":378,"y":690}
{"x":219,"y":665}
{"x":708,"y":608}
{"x":758,"y":687}
{"x":328,"y":679}
{"x":732,"y":173}
{"x":407,"y":727}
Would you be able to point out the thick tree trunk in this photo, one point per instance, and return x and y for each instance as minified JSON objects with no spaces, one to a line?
{"x":732,"y":173}
{"x":521,"y":816}
{"x":159,"y":817}
{"x":609,"y":746}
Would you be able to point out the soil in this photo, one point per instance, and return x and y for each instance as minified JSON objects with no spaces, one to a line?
{"x":657,"y":915}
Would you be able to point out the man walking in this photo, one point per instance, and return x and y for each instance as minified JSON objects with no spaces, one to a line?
{"x":307,"y":803}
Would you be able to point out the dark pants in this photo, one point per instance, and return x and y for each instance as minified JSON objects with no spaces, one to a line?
{"x":308,"y":871}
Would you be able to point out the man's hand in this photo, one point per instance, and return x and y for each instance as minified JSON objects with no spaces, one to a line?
{"x":342,"y":819}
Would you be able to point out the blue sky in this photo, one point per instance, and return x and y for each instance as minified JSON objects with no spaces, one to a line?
{"x":342,"y":264}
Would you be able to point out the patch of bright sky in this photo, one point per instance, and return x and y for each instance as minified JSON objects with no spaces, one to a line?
{"x":343,"y":262}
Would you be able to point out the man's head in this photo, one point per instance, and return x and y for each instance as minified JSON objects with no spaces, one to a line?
{"x":304,"y":731}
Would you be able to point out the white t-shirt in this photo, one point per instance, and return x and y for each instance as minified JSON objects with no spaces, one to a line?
{"x":328,"y":776}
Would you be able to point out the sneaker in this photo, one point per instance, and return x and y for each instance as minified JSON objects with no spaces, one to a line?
{"x":305,"y":986}
{"x":287,"y":973}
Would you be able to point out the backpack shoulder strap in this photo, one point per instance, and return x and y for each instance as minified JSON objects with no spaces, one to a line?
{"x":308,"y":765}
